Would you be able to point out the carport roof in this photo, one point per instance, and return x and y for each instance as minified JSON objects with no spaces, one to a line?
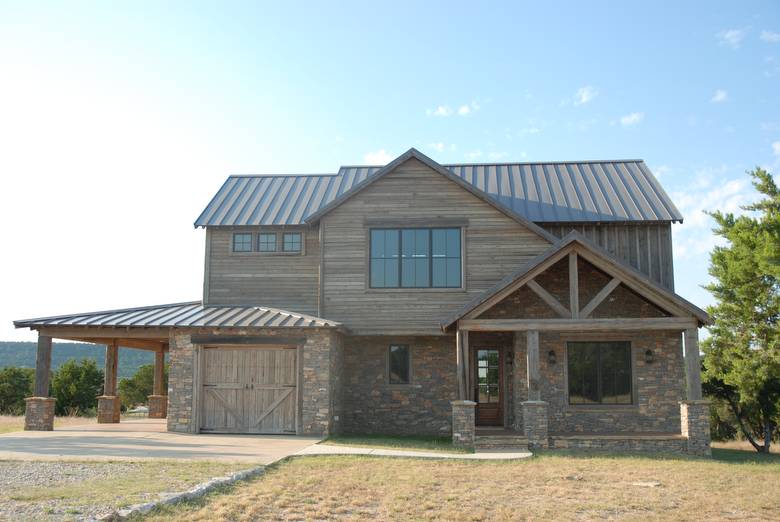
{"x":183,"y":315}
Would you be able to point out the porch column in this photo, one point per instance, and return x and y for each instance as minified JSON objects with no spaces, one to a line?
{"x":694,"y":412}
{"x":39,"y":409}
{"x":463,"y":425}
{"x":108,"y":403}
{"x":462,"y":353}
{"x":158,"y":401}
{"x":535,"y":421}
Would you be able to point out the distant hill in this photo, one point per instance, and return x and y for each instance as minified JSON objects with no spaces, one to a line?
{"x":22,"y":354}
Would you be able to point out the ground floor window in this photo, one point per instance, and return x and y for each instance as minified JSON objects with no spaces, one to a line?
{"x":399,"y":364}
{"x":599,"y":372}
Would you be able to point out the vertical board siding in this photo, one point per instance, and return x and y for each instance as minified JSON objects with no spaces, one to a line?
{"x":289,"y":282}
{"x":494,"y":245}
{"x":646,"y":247}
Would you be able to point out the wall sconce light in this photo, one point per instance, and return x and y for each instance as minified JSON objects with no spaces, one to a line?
{"x":551,"y":357}
{"x":649,"y":356}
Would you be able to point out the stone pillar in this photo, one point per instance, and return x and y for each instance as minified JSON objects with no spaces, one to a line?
{"x":463,"y":429}
{"x":108,"y":403}
{"x":39,"y":409}
{"x":695,"y":412}
{"x":158,"y":401}
{"x":535,"y":423}
{"x":695,"y":426}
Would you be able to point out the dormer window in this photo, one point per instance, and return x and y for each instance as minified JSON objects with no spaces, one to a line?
{"x":242,"y":242}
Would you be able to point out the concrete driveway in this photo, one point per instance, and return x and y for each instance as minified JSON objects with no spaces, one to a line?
{"x":146,"y":439}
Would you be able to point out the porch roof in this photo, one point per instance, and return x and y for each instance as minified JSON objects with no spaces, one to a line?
{"x":182,"y":315}
{"x":574,"y":240}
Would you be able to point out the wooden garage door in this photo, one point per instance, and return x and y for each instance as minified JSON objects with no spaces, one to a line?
{"x":248,"y":390}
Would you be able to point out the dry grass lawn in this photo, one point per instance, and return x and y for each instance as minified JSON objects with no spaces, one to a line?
{"x":735,"y":485}
{"x":9,"y":423}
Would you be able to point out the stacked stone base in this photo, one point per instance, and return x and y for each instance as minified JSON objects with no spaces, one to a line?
{"x":39,"y":413}
{"x":695,"y":427}
{"x":158,"y":406}
{"x":536,"y":424}
{"x":673,"y":444}
{"x":463,"y":428}
{"x":108,"y":409}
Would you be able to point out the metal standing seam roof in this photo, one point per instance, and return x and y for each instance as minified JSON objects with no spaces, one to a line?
{"x":561,"y":192}
{"x":182,"y":315}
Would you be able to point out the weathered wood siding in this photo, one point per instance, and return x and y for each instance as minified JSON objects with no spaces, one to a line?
{"x":494,"y":245}
{"x":648,"y":248}
{"x":289,"y":282}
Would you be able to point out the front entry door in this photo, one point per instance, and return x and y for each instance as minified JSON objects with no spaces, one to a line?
{"x":488,"y":380}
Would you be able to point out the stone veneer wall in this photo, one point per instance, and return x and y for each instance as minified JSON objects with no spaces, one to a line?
{"x":371,"y":405}
{"x":320,"y":388}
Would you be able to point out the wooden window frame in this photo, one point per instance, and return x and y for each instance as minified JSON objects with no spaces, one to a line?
{"x":233,"y":242}
{"x":256,"y":241}
{"x":462,"y":231}
{"x":276,"y":242}
{"x":600,"y":406}
{"x":300,"y":242}
{"x":387,"y":365}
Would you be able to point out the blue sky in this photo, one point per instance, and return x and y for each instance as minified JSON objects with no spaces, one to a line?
{"x":119,"y":121}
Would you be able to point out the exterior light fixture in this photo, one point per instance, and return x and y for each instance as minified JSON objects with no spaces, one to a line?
{"x":551,"y":357}
{"x":649,"y":356}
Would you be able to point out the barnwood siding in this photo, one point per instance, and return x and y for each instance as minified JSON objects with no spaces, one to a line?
{"x":494,"y":243}
{"x":289,"y":282}
{"x":646,"y":247}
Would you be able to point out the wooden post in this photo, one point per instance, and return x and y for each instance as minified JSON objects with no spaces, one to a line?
{"x":532,"y":355}
{"x":574,"y":286}
{"x":43,"y":366}
{"x":159,"y":375}
{"x":692,"y":364}
{"x":112,"y":362}
{"x":461,"y":347}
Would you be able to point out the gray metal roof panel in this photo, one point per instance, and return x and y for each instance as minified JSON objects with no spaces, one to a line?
{"x":182,"y":315}
{"x":586,"y":191}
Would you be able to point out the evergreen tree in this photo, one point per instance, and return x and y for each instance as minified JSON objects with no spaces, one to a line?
{"x":742,"y":356}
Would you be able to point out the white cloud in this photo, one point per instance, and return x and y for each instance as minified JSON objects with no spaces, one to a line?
{"x":474,"y":154}
{"x":661,"y":171}
{"x":585,"y":95}
{"x":770,"y":36}
{"x":463,"y":110}
{"x":380,"y":157}
{"x":632,"y":119}
{"x":438,"y":146}
{"x":441,"y":111}
{"x":732,"y":37}
{"x":497,"y":155}
{"x":719,"y":96}
{"x":776,"y":148}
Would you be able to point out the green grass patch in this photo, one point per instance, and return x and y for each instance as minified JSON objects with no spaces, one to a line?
{"x":397,"y":442}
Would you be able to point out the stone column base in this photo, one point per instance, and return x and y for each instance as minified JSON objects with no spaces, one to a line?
{"x":535,"y":423}
{"x":158,"y":406}
{"x":108,"y":409}
{"x":695,"y":427}
{"x":39,"y":413}
{"x":463,"y":429}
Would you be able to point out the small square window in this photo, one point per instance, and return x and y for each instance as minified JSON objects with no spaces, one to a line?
{"x":292,"y":242}
{"x":242,"y":242}
{"x":266,"y":242}
{"x":399,"y":364}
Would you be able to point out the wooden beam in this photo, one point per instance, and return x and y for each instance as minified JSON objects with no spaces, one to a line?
{"x":159,"y":373}
{"x":574,"y":286}
{"x":578,"y":325}
{"x":692,"y":364}
{"x":137,"y":344}
{"x":548,"y":298}
{"x":105,"y":332}
{"x":112,"y":363}
{"x":42,"y":366}
{"x":532,"y":368}
{"x":603,"y":293}
{"x":247,"y":339}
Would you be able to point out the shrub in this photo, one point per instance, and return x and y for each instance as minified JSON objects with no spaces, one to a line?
{"x":137,"y":388}
{"x":15,"y":385}
{"x":76,"y":386}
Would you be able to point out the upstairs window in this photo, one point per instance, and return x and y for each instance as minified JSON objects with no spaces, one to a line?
{"x":415,"y":258}
{"x":242,"y":242}
{"x":292,"y":242}
{"x":399,"y":364}
{"x":266,"y":242}
{"x":599,"y":372}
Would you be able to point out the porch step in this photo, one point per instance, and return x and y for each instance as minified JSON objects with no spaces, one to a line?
{"x":500,"y":441}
